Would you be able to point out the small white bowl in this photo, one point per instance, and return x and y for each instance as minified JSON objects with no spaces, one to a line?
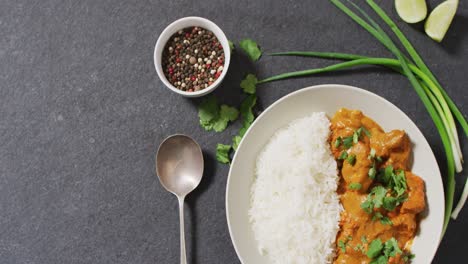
{"x":185,"y":23}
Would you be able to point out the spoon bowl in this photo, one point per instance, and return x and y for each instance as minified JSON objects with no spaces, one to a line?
{"x":179,"y":166}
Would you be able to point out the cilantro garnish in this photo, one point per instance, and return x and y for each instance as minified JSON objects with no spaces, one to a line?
{"x":375,"y":248}
{"x":374,"y":199}
{"x":372,"y":172}
{"x":251,"y":48}
{"x":342,"y":246}
{"x":384,"y":220}
{"x":213,"y":117}
{"x":391,"y":248}
{"x":390,"y":203}
{"x":355,"y":186}
{"x":394,"y":180}
{"x":371,"y":154}
{"x":407,"y":257}
{"x":380,"y":260}
{"x":380,"y":252}
{"x":222,"y":153}
{"x":249,"y":84}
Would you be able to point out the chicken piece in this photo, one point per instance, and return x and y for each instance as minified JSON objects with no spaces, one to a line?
{"x":359,"y":171}
{"x":416,"y":199}
{"x":394,"y":147}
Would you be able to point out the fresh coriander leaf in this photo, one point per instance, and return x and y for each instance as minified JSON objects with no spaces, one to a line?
{"x":342,"y":246}
{"x":343,"y":155}
{"x":372,"y":172}
{"x":251,"y":48}
{"x":371,"y":154}
{"x":407,"y":257}
{"x":338,"y":142}
{"x":379,"y":193}
{"x":228,"y":112}
{"x":367,"y":206}
{"x":208,"y":110}
{"x":231,"y":45}
{"x":380,"y":260}
{"x":236,"y":141}
{"x":391,"y":248}
{"x":375,"y":248}
{"x":378,"y":159}
{"x":399,"y":183}
{"x":249,"y":84}
{"x":377,"y":216}
{"x":386,"y":221}
{"x":246,"y":109}
{"x":374,"y":199}
{"x":351,"y":159}
{"x":390,"y":203}
{"x":222,"y":153}
{"x":355,"y":186}
{"x":348,"y":142}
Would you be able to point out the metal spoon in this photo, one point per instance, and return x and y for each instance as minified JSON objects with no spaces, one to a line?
{"x":179,"y":166}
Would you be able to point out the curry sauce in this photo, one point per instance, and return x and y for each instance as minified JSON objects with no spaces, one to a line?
{"x":380,"y":196}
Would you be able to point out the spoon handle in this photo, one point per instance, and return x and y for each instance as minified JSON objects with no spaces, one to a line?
{"x":183,"y":257}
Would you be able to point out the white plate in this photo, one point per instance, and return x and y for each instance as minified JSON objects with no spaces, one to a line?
{"x":329,"y":98}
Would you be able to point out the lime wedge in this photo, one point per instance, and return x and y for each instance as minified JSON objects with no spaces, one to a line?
{"x":440,"y":19}
{"x":411,"y":11}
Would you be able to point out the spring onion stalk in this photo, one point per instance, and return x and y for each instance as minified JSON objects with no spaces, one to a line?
{"x":462,"y":201}
{"x":437,"y":102}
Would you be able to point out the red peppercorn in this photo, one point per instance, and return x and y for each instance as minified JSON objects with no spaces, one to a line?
{"x":220,"y":61}
{"x":208,"y":65}
{"x":190,"y":90}
{"x":220,"y":46}
{"x":179,"y":60}
{"x":193,"y":78}
{"x":210,"y":83}
{"x":187,"y":35}
{"x":217,"y":74}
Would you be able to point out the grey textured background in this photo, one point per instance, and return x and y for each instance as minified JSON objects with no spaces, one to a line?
{"x":82,"y":112}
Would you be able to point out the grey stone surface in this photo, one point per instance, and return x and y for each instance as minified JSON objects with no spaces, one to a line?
{"x":82,"y":112}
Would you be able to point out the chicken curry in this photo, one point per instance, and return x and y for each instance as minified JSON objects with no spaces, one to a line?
{"x":381,"y":197}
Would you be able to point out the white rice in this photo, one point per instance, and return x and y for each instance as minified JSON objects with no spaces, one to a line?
{"x":295,"y":209}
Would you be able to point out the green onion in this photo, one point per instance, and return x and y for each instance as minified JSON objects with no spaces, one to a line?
{"x":351,"y":159}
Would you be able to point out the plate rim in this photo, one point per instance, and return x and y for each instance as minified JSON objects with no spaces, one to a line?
{"x":321,"y":86}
